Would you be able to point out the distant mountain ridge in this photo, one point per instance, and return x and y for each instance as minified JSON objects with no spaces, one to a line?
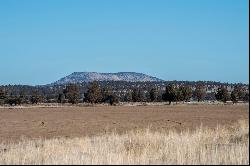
{"x":79,"y":77}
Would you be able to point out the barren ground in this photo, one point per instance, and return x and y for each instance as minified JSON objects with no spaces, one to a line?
{"x":18,"y":123}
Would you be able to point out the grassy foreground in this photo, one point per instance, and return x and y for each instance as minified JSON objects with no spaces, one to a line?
{"x":224,"y":145}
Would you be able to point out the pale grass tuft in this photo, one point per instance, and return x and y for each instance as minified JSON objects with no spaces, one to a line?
{"x":203,"y":146}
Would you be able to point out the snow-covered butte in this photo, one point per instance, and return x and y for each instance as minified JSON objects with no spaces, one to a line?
{"x":79,"y":77}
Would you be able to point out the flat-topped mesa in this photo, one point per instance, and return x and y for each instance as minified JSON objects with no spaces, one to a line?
{"x":79,"y":77}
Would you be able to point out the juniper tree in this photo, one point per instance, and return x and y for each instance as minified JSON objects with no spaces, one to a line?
{"x":61,"y":98}
{"x":72,"y":93}
{"x":246,"y":97}
{"x":199,"y":92}
{"x":187,"y":93}
{"x":36,"y":97}
{"x":2,"y":96}
{"x":137,"y":95}
{"x":222,"y":94}
{"x":128,"y":96}
{"x":153,"y":94}
{"x":105,"y":94}
{"x":237,"y":94}
{"x":113,"y":99}
{"x":93,"y":94}
{"x":170,"y":94}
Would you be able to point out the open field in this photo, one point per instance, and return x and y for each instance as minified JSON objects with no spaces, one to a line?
{"x":70,"y":122}
{"x":223,"y":145}
{"x":176,"y":134}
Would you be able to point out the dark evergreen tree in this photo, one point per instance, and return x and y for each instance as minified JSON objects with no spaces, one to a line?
{"x":222,"y":94}
{"x":72,"y":93}
{"x":186,"y":92}
{"x":246,"y":97}
{"x":237,"y":94}
{"x":128,"y":97}
{"x":105,"y":94}
{"x":93,"y":94}
{"x":36,"y":98}
{"x":170,"y":94}
{"x":2,"y":96}
{"x":200,"y":92}
{"x":153,"y":94}
{"x":113,"y":99}
{"x":179,"y":94}
{"x":23,"y":98}
{"x":137,"y":95}
{"x":61,"y":98}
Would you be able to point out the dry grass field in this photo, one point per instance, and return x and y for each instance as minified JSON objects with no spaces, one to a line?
{"x":73,"y":122}
{"x":223,"y":145}
{"x":179,"y":134}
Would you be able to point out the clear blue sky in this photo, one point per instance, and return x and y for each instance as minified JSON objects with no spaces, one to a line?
{"x":42,"y":41}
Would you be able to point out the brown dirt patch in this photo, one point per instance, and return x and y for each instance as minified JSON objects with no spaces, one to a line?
{"x":31,"y":123}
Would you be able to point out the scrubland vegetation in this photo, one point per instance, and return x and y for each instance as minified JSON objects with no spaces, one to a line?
{"x":223,"y":145}
{"x":114,"y":92}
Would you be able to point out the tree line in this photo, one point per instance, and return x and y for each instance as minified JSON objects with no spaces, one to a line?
{"x":95,"y":93}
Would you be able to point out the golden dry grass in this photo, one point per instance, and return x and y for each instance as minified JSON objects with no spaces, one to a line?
{"x":224,"y":145}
